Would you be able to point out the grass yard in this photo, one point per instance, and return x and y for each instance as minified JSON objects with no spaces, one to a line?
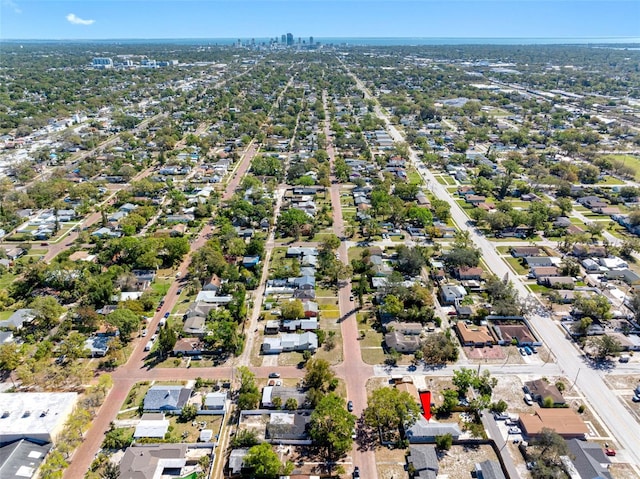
{"x":628,"y":160}
{"x":516,"y":265}
{"x":6,"y":279}
{"x":610,"y":180}
{"x":441,"y":180}
{"x":134,"y":399}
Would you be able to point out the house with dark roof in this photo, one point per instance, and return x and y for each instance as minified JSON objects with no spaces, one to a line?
{"x":288,"y":427}
{"x":424,"y":461}
{"x":22,"y":458}
{"x":540,"y":390}
{"x":588,"y":459}
{"x":151,"y":461}
{"x":188,"y":347}
{"x":195,"y":326}
{"x":167,"y":399}
{"x":489,"y":470}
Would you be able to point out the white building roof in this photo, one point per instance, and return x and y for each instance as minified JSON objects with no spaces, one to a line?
{"x":34,"y":415}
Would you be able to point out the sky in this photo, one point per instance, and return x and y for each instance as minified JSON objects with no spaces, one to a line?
{"x":149,"y":19}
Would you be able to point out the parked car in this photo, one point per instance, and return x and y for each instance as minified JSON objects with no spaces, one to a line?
{"x":144,"y":333}
{"x":350,"y":406}
{"x":503,"y":416}
{"x":515,"y":430}
{"x":274,"y":375}
{"x":636,"y":398}
{"x":610,"y":452}
{"x":166,"y":315}
{"x":527,"y":350}
{"x":528,"y":399}
{"x":356,"y":472}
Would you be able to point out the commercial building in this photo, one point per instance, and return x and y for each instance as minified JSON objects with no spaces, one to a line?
{"x":36,"y":416}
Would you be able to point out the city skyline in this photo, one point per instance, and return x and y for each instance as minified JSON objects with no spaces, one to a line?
{"x":193,"y":19}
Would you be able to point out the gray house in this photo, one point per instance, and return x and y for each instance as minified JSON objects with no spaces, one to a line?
{"x":168,"y":399}
{"x":17,"y":319}
{"x":424,"y":460}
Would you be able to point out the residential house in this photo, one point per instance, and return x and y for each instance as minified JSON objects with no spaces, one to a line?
{"x":310,"y":324}
{"x":544,"y":271}
{"x":21,"y":459}
{"x":236,"y":461}
{"x":592,"y":202}
{"x":565,"y":421}
{"x":284,"y":393}
{"x":535,"y":261}
{"x":556,"y":281}
{"x":451,"y":294}
{"x":213,"y":284}
{"x":153,"y":425}
{"x":489,"y":470}
{"x":423,"y":460}
{"x":151,"y":461}
{"x":425,"y":432}
{"x":167,"y":399}
{"x":310,"y":309}
{"x":215,"y":403}
{"x":250,"y":261}
{"x":290,"y":342}
{"x":524,"y":251}
{"x":401,"y":342}
{"x":211,"y":297}
{"x":188,"y":347}
{"x":506,"y":333}
{"x":474,"y":336}
{"x":18,"y":319}
{"x":626,"y":275}
{"x":466,"y":273}
{"x":97,"y":346}
{"x":588,"y":459}
{"x":581,"y":250}
{"x":195,"y":326}
{"x":288,"y":427}
{"x":540,"y":390}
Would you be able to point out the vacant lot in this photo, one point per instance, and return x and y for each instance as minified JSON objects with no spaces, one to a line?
{"x":459,"y":461}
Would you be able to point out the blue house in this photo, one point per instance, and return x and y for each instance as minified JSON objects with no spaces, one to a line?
{"x":250,"y":261}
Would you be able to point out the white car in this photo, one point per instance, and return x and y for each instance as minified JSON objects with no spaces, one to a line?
{"x":514,"y":430}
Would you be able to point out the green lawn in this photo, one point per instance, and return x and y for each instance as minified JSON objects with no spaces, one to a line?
{"x":516,"y":265}
{"x":441,"y":180}
{"x":628,"y":160}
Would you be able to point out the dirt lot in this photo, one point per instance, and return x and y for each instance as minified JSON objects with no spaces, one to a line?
{"x":509,"y":389}
{"x":459,"y":461}
{"x":484,"y":353}
{"x":390,"y":463}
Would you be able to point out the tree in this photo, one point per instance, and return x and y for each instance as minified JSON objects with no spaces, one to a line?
{"x":292,"y":310}
{"x":73,"y":346}
{"x":291,"y":404}
{"x":47,"y":310}
{"x":597,"y":306}
{"x":10,"y":357}
{"x":188,"y":413}
{"x":393,"y":305}
{"x":291,"y":222}
{"x":410,"y":260}
{"x":125,"y":320}
{"x":444,"y":442}
{"x":166,"y":340}
{"x":450,"y":400}
{"x":264,"y":461}
{"x":248,"y":394}
{"x":330,"y":426}
{"x":550,"y":447}
{"x":390,"y":411}
{"x":605,"y":346}
{"x":439,"y":348}
{"x":117,"y":438}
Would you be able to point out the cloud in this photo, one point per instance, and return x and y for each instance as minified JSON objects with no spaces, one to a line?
{"x":12,"y":5}
{"x":73,"y":18}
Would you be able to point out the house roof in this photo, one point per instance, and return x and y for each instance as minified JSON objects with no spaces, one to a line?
{"x":152,"y":427}
{"x":18,"y":318}
{"x":424,"y":429}
{"x":476,"y":334}
{"x":194,"y":324}
{"x":490,"y":470}
{"x":166,"y":398}
{"x":398,"y":340}
{"x":518,"y":331}
{"x":21,"y":459}
{"x":186,"y":345}
{"x":424,"y":460}
{"x":236,"y":459}
{"x":564,"y":421}
{"x":542,"y":389}
{"x":142,"y":462}
{"x":589,"y":459}
{"x":215,"y":400}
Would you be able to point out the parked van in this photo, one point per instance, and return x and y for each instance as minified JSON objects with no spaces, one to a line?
{"x":148,"y":346}
{"x":528,"y":399}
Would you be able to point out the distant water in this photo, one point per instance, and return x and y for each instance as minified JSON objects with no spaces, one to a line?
{"x":364,"y":41}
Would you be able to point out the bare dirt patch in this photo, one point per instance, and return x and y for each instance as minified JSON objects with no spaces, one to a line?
{"x":390,"y":463}
{"x":459,"y":461}
{"x":495,"y":352}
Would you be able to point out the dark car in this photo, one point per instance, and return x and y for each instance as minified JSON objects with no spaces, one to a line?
{"x":274,"y":375}
{"x":356,"y":472}
{"x":166,"y":315}
{"x":350,"y":406}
